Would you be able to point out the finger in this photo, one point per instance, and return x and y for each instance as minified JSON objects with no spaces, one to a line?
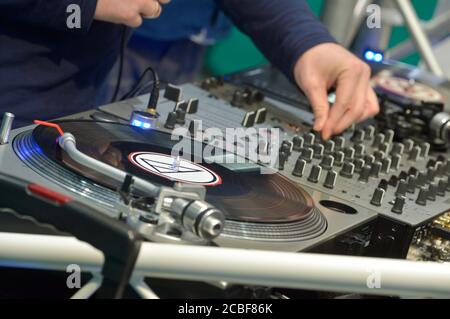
{"x":164,"y":1}
{"x":151,"y":9}
{"x":134,"y":22}
{"x":318,"y":97}
{"x":372,"y":105}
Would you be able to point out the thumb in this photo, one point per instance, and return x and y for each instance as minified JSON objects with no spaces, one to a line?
{"x":318,"y":97}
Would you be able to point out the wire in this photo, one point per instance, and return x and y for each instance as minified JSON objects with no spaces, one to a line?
{"x":121,"y":63}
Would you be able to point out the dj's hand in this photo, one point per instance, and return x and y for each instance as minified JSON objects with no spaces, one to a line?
{"x":129,"y":12}
{"x":330,"y":65}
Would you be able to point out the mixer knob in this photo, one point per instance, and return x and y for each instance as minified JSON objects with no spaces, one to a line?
{"x":339,"y":158}
{"x":393,"y":181}
{"x":409,"y":144}
{"x":365,"y":174}
{"x":379,"y":155}
{"x":399,"y":204}
{"x":238,"y":98}
{"x":447,"y":168}
{"x":358,"y":137}
{"x":287,"y":147}
{"x":402,"y":188}
{"x":422,"y":197}
{"x":349,"y":153}
{"x":376,"y":169}
{"x":413,"y":171}
{"x":431,"y":174}
{"x":441,"y":188}
{"x":440,"y":169}
{"x":425,"y":150}
{"x":421,"y":179}
{"x":403,"y":175}
{"x":389,"y":134}
{"x":318,"y":151}
{"x":384,"y":148}
{"x":310,"y":139}
{"x":315,"y":173}
{"x":282,"y":158}
{"x":330,"y":179}
{"x":307,"y":154}
{"x":411,"y":184}
{"x":299,"y":168}
{"x":369,"y":159}
{"x":327,"y":162}
{"x":360,"y":149}
{"x":386,"y":165}
{"x":383,"y":184}
{"x":339,"y":142}
{"x":348,"y":170}
{"x":181,"y":116}
{"x":398,"y":148}
{"x":329,"y":147}
{"x":359,"y":165}
{"x":379,"y":140}
{"x":432,"y":191}
{"x":414,"y":154}
{"x":378,"y":196}
{"x":369,"y":133}
{"x":448,"y":183}
{"x":298,"y":143}
{"x":396,"y":160}
{"x":171,"y":121}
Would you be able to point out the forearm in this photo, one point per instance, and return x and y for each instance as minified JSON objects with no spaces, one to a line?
{"x":283,"y":30}
{"x":48,"y":14}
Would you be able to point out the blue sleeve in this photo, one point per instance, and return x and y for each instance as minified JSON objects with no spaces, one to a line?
{"x":48,"y":14}
{"x":282,"y":29}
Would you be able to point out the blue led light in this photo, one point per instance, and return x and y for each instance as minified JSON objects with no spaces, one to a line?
{"x":146,"y":126}
{"x":137,"y":123}
{"x":373,"y":56}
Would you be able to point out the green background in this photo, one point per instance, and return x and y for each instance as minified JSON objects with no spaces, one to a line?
{"x":238,"y":52}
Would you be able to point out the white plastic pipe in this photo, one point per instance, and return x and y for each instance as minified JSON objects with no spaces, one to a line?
{"x":273,"y":269}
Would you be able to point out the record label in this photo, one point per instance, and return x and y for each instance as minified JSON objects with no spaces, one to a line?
{"x":175,"y":169}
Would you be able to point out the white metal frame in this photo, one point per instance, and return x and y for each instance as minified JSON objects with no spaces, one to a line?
{"x":240,"y":266}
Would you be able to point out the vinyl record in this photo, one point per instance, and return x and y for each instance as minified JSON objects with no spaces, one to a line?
{"x":243,"y":195}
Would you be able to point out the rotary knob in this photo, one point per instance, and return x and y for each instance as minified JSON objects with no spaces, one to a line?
{"x":376,"y":169}
{"x":171,"y":120}
{"x":422,"y":197}
{"x":339,"y":158}
{"x":432,"y":191}
{"x":389,"y":136}
{"x":379,"y":139}
{"x":358,"y":137}
{"x":365,"y":174}
{"x":330,"y":179}
{"x":307,"y":154}
{"x":359,"y":164}
{"x":298,"y":143}
{"x":414,"y":154}
{"x":318,"y":151}
{"x":411,"y":184}
{"x":397,"y":149}
{"x":360,"y":150}
{"x":369,"y":133}
{"x":441,"y":188}
{"x":402,"y":188}
{"x":396,"y":160}
{"x":369,"y":159}
{"x":339,"y":142}
{"x":386,"y":165}
{"x":310,"y":139}
{"x":425,"y":150}
{"x":327,"y":162}
{"x":315,"y":173}
{"x":399,"y":204}
{"x":378,"y":196}
{"x":329,"y":147}
{"x":409,"y":144}
{"x":299,"y":168}
{"x":348,"y":170}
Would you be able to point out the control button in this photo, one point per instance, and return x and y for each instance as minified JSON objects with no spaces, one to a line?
{"x":327,"y":162}
{"x":249,"y":119}
{"x":329,"y":147}
{"x":402,"y":188}
{"x":411,"y":184}
{"x":421,"y":179}
{"x":398,"y":148}
{"x":298,"y":143}
{"x":369,"y":159}
{"x":409,"y":144}
{"x":369,"y":133}
{"x":376,"y":169}
{"x":171,"y":120}
{"x":318,"y":151}
{"x":422,"y":197}
{"x":396,"y":160}
{"x":403,"y":175}
{"x":299,"y":168}
{"x":359,"y":164}
{"x":431,"y":174}
{"x":413,"y":171}
{"x":287,"y":147}
{"x":441,"y":188}
{"x":330,"y":180}
{"x":386,"y":165}
{"x":389,"y":136}
{"x":425,"y":150}
{"x":307,"y":154}
{"x":378,"y":196}
{"x":378,"y":141}
{"x":282,"y":158}
{"x":192,"y":106}
{"x":393,"y":181}
{"x":349,"y":153}
{"x":339,"y":143}
{"x":348,"y":170}
{"x":399,"y":204}
{"x":379,"y":155}
{"x":181,"y":116}
{"x":432,"y":191}
{"x":440,"y":169}
{"x":360,"y":150}
{"x":358,"y":137}
{"x":261,"y":115}
{"x":172,"y":93}
{"x":310,"y":139}
{"x":384,"y":184}
{"x":365,"y":174}
{"x":315,"y":173}
{"x":339,"y":158}
{"x":384,"y":148}
{"x":415,"y":153}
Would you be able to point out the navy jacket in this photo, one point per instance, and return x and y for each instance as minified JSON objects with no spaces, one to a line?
{"x":48,"y":70}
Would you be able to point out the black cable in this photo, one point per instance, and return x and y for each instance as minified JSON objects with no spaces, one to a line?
{"x":121,"y":63}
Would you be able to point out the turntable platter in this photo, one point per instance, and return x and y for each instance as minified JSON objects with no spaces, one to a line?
{"x":246,"y":197}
